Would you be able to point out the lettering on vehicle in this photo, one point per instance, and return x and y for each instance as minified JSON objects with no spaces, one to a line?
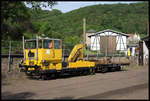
{"x":47,"y":51}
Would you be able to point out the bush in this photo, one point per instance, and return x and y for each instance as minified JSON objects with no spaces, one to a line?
{"x":119,"y":52}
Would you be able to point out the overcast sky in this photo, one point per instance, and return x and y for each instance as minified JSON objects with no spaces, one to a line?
{"x":66,"y":6}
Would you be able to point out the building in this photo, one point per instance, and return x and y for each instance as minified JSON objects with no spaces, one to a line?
{"x":132,"y":49}
{"x":109,"y":41}
{"x":88,"y":33}
{"x":133,"y":38}
{"x":133,"y":41}
{"x":145,"y":50}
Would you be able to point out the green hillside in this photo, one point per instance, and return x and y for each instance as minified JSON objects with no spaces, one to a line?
{"x":127,"y":18}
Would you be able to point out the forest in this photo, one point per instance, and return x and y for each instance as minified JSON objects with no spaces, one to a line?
{"x":18,"y":20}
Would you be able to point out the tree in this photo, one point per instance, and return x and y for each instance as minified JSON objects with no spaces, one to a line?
{"x":38,"y":4}
{"x":14,"y":19}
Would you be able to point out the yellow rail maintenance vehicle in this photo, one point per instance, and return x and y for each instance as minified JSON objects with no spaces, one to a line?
{"x":43,"y":58}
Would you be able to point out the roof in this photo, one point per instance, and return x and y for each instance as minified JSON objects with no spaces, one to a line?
{"x":145,"y":38}
{"x":91,"y":31}
{"x":109,"y":31}
{"x":41,"y":38}
{"x":131,"y":35}
{"x":48,"y":38}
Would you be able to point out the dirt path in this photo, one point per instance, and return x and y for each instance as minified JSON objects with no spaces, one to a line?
{"x":131,"y":83}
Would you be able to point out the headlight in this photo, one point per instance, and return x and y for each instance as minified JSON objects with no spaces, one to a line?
{"x":30,"y":54}
{"x":43,"y":61}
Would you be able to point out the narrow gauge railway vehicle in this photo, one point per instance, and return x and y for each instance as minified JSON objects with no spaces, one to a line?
{"x":43,"y":58}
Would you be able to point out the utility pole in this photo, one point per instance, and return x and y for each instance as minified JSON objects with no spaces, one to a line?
{"x":9,"y":56}
{"x":84,"y":30}
{"x":141,"y":53}
{"x":23,"y":47}
{"x":84,"y":39}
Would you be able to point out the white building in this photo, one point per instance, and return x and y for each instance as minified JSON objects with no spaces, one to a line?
{"x":146,"y":50}
{"x":109,"y":41}
{"x":132,"y":49}
{"x":134,"y":38}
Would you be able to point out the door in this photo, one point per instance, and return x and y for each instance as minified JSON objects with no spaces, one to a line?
{"x":108,"y":44}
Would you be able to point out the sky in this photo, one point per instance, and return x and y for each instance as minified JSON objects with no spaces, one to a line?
{"x":66,"y":6}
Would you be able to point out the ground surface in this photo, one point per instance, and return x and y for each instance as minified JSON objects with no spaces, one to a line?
{"x":130,"y":83}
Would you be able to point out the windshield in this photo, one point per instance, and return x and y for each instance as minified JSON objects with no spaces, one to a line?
{"x":30,"y":44}
{"x":57,"y":44}
{"x":48,"y":44}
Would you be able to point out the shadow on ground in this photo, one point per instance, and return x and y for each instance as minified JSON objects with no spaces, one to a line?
{"x":117,"y":92}
{"x":22,"y":95}
{"x":63,"y":98}
{"x":66,"y":76}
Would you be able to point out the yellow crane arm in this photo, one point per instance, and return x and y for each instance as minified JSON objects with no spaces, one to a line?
{"x":76,"y":53}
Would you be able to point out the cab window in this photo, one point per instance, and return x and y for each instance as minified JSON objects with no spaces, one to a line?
{"x":47,"y":44}
{"x":57,"y":44}
{"x":30,"y":44}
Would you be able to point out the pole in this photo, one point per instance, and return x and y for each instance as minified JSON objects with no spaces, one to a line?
{"x":84,"y":37}
{"x":141,"y":53}
{"x":9,"y":56}
{"x":63,"y":52}
{"x":37,"y":48}
{"x":96,"y":47}
{"x":23,"y":47}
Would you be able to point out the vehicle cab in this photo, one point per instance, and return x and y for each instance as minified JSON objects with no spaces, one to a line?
{"x":42,"y":53}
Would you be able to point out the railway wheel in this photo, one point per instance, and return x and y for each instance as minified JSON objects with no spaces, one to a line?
{"x":28,"y":73}
{"x":90,"y":71}
{"x":93,"y":72}
{"x":112,"y":69}
{"x":86,"y":72}
{"x":53,"y":76}
{"x":104,"y":69}
{"x":118,"y":68}
{"x":44,"y":77}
